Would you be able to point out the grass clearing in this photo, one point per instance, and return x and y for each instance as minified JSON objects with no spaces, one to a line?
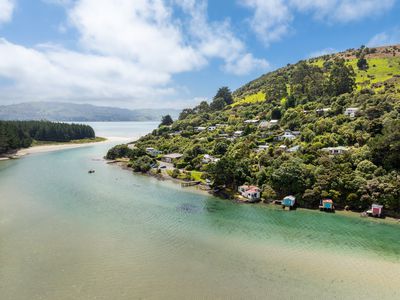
{"x":196,"y":176}
{"x":254,"y":98}
{"x":380,"y":70}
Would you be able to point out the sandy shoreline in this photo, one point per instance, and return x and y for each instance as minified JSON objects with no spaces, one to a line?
{"x":48,"y":148}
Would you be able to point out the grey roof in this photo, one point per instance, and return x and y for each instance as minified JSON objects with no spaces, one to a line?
{"x":173,"y":155}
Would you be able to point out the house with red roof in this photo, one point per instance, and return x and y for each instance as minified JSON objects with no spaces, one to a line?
{"x":250,"y":192}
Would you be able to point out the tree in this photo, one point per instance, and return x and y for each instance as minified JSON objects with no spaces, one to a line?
{"x":385,"y":147}
{"x":290,"y":102}
{"x":276,"y":114}
{"x":185,"y":113}
{"x":289,"y":177}
{"x":225,"y":94}
{"x":362,"y":64}
{"x":307,"y":81}
{"x":217,"y":104}
{"x":341,"y":78}
{"x":166,"y":120}
{"x":220,"y":148}
{"x":276,"y":88}
{"x":202,"y":108}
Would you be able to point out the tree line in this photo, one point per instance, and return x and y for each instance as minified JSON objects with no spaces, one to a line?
{"x":20,"y":134}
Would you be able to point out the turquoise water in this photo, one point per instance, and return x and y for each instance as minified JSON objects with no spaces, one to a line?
{"x":65,"y":234}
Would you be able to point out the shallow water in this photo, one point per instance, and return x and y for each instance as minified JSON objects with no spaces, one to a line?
{"x":65,"y":234}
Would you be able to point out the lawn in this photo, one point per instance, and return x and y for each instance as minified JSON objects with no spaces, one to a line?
{"x":196,"y":176}
{"x":254,"y":98}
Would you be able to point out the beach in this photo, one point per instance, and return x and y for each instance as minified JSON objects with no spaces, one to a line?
{"x":49,"y":148}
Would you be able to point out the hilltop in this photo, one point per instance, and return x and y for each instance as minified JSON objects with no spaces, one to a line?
{"x":383,"y":67}
{"x":70,"y":112}
{"x":327,"y":127}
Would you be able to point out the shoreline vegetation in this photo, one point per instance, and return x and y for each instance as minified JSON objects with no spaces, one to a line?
{"x":325,"y":130}
{"x":40,"y":146}
{"x":204,"y":189}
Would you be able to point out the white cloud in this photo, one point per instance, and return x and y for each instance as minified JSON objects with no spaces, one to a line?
{"x":390,"y":37}
{"x":271,"y":19}
{"x":246,"y":64}
{"x":129,"y":50}
{"x":142,"y":31}
{"x":216,"y":40}
{"x":6,"y":10}
{"x":49,"y":72}
{"x":322,"y":52}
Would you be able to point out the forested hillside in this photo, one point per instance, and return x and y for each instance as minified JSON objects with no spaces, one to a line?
{"x":328,"y":127}
{"x":20,"y":134}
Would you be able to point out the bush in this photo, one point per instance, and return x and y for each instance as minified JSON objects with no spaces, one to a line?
{"x":175,"y":173}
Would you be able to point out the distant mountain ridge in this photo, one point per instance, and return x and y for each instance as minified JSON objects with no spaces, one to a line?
{"x":71,"y":112}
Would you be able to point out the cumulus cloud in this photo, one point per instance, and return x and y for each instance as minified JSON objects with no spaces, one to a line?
{"x":390,"y":37}
{"x":128,"y":50}
{"x":51,"y":72}
{"x":6,"y":10}
{"x":272,"y":18}
{"x":217,"y":40}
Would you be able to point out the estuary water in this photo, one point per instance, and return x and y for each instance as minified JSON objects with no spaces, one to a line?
{"x":65,"y":234}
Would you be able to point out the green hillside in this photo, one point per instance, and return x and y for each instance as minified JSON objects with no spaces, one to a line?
{"x":336,"y":133}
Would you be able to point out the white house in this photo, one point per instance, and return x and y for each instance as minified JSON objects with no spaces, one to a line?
{"x":273,"y":122}
{"x":200,"y":129}
{"x":293,"y":149}
{"x":238,"y":133}
{"x":251,"y":121}
{"x":262,"y":148}
{"x":250,"y":192}
{"x":351,"y":112}
{"x":336,"y":150}
{"x":268,"y":124}
{"x":212,"y":128}
{"x":288,"y":135}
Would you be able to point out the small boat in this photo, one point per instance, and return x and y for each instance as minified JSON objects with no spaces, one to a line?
{"x":91,"y":171}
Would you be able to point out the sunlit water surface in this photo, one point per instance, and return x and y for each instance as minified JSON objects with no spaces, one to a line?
{"x":65,"y":234}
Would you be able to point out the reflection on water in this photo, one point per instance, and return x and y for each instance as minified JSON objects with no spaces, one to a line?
{"x":65,"y":234}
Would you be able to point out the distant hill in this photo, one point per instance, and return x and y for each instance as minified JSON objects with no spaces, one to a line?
{"x":71,"y":112}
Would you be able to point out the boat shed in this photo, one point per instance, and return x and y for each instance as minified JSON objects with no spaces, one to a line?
{"x":288,"y":201}
{"x":327,"y":205}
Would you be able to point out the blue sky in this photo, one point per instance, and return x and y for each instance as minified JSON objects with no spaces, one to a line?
{"x":170,"y":53}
